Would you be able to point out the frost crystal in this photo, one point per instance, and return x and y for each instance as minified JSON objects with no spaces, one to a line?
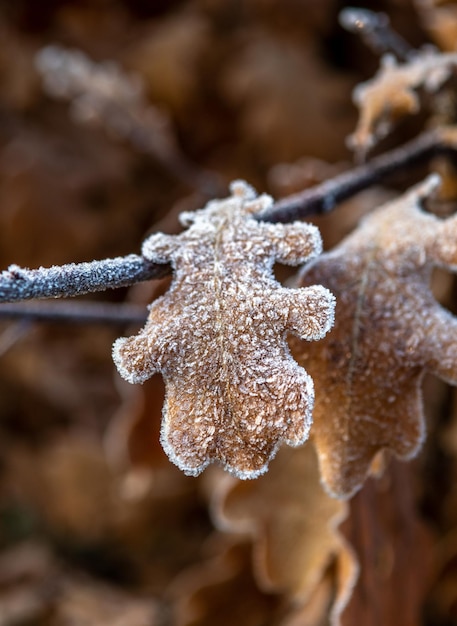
{"x":234,"y":392}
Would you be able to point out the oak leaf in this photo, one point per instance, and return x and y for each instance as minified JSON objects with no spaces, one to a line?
{"x":389,"y":331}
{"x":393,"y":93}
{"x":233,"y":391}
{"x":294,"y":541}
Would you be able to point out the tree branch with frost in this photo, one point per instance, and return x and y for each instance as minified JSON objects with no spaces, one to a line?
{"x":76,"y":279}
{"x":375,"y":31}
{"x":324,"y":197}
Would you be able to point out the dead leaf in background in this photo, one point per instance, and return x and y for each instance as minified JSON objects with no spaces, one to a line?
{"x":294,"y":540}
{"x":394,"y":549}
{"x":316,"y":609}
{"x":388,"y":330}
{"x":393,"y":93}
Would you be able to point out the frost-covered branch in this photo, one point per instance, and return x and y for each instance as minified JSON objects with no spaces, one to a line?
{"x":76,"y":279}
{"x":73,"y":279}
{"x":324,"y":197}
{"x":375,"y":30}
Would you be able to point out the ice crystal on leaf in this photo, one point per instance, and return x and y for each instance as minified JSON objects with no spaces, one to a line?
{"x":393,"y":93}
{"x":234,"y":392}
{"x":389,"y":330}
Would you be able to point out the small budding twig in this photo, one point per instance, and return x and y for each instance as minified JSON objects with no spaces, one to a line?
{"x":375,"y":31}
{"x":18,"y":284}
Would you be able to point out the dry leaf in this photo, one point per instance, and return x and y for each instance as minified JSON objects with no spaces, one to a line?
{"x":218,"y":336}
{"x":296,"y":538}
{"x":389,"y":330}
{"x":392,"y":93}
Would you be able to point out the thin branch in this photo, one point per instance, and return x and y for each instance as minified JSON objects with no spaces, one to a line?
{"x":17,"y":283}
{"x":375,"y":31}
{"x":75,"y":312}
{"x":323,"y":198}
{"x":76,"y":279}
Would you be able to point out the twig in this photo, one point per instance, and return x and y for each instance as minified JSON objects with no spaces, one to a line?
{"x":324,"y":197}
{"x":75,"y":312}
{"x":18,"y":284}
{"x":375,"y":31}
{"x":76,"y":279}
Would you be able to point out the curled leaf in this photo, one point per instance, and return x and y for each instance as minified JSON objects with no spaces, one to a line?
{"x":222,"y":590}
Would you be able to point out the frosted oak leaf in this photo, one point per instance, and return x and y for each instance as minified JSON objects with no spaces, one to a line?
{"x":389,"y":331}
{"x":218,"y":336}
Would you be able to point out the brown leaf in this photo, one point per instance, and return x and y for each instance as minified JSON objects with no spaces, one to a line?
{"x":218,"y":336}
{"x":291,"y":520}
{"x":389,"y":330}
{"x":392,"y":93}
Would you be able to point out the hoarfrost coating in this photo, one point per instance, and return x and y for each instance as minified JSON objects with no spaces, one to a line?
{"x":218,"y":336}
